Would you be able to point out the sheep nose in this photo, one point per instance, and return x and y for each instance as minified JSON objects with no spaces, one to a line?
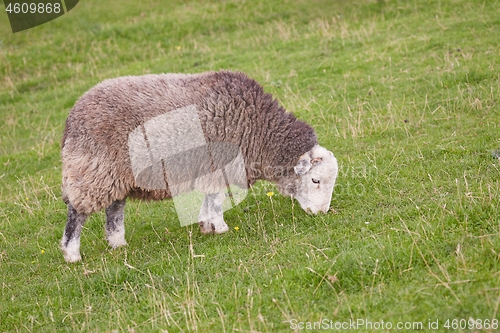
{"x":325,"y":208}
{"x":315,"y":211}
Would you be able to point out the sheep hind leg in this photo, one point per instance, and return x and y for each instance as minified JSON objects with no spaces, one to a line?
{"x":115,"y":227}
{"x":70,"y":243}
{"x":211,"y":218}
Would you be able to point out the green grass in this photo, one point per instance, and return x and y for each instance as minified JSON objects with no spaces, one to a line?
{"x":405,"y":93}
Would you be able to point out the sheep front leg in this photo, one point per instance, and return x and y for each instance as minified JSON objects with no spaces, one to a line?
{"x":70,"y":243}
{"x":211,"y":219}
{"x":115,"y":227}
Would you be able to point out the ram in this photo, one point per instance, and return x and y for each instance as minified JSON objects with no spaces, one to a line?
{"x":115,"y":130}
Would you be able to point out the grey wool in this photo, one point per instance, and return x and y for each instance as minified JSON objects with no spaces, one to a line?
{"x":231,"y":108}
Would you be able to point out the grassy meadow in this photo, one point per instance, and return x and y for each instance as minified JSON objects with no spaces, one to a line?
{"x":405,"y":93}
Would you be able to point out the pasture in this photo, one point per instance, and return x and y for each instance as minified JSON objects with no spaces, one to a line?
{"x":405,"y":94}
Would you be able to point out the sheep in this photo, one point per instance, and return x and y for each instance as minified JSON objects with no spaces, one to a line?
{"x":106,"y":135}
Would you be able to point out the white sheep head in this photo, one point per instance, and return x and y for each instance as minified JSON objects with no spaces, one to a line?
{"x":313,"y":181}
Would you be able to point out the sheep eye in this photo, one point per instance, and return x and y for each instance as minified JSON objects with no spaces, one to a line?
{"x":315,"y":181}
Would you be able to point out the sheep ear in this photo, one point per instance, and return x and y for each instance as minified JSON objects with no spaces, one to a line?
{"x":303,"y":165}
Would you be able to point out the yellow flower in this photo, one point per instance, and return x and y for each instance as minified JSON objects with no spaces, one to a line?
{"x":43,"y":251}
{"x":178,"y":48}
{"x":270,"y":194}
{"x":236,"y":228}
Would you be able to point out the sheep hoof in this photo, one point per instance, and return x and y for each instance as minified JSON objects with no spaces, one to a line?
{"x":114,"y":243}
{"x":70,"y":256}
{"x":71,"y":249}
{"x":213,"y":226}
{"x":117,"y":239}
